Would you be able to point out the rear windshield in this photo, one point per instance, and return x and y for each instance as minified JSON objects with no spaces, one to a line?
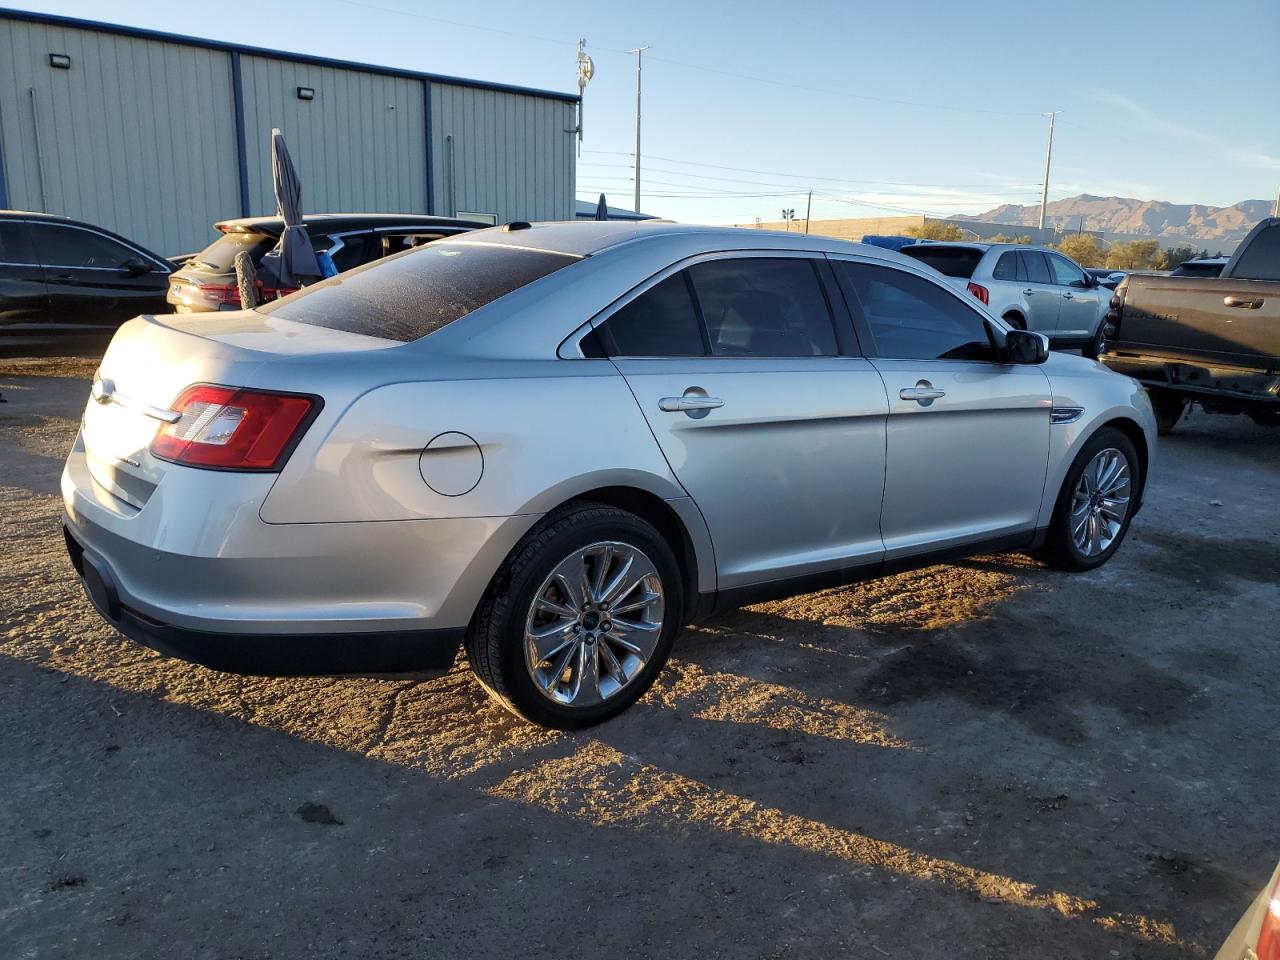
{"x":949,"y":261}
{"x":220,"y":256}
{"x":1260,"y":260}
{"x":414,"y":293}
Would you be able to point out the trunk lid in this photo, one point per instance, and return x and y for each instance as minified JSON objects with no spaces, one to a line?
{"x":151,"y":360}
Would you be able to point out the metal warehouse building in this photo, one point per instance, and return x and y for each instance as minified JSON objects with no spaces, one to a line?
{"x":156,"y":136}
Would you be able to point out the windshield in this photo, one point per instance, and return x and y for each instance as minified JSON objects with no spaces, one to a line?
{"x":412,"y":294}
{"x":949,"y":261}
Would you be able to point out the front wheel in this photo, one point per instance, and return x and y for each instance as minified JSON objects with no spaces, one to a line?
{"x":580,"y":618}
{"x":1095,"y":505}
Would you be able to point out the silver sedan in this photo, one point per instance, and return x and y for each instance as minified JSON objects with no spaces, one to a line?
{"x":556,"y":444}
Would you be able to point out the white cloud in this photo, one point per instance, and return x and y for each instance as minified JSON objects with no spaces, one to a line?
{"x":1252,"y":155}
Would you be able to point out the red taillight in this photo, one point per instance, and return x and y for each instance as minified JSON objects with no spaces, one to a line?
{"x":220,"y":294}
{"x":1268,"y":947}
{"x":231,"y":428}
{"x":979,"y":291}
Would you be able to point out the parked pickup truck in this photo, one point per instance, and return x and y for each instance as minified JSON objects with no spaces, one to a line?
{"x":1215,"y":340}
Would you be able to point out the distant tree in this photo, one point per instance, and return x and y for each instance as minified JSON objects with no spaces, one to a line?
{"x":1176,"y":256}
{"x":935,"y":230}
{"x":1134,"y":255}
{"x":1001,"y":238}
{"x":1083,"y":249}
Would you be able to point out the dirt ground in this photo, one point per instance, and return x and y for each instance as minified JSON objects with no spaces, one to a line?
{"x":984,"y":759}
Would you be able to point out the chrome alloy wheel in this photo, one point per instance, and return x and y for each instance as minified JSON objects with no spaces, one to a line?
{"x":594,"y":624}
{"x":1100,"y":502}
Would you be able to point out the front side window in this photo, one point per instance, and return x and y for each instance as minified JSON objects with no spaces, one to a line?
{"x":1034,"y":268}
{"x":1066,"y":273}
{"x":410,"y":295}
{"x":62,"y":246}
{"x":661,"y":322}
{"x":910,"y":318}
{"x":764,"y":307}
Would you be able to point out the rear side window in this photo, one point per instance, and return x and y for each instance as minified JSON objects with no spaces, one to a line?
{"x":661,"y":322}
{"x":13,"y":244}
{"x":764,"y":307}
{"x":220,"y":256}
{"x":1261,"y":259}
{"x":910,"y":318}
{"x":59,"y":246}
{"x":1066,"y":273}
{"x":948,"y":261}
{"x":1034,"y":268}
{"x":1007,"y":267}
{"x":410,"y":295}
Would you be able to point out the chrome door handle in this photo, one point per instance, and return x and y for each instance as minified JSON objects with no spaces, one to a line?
{"x":923,"y":393}
{"x":689,"y":402}
{"x":1067,"y":296}
{"x":1028,"y":292}
{"x":1248,"y":303}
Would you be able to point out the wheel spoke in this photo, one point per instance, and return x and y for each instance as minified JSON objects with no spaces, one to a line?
{"x":639,"y":603}
{"x":547,"y":605}
{"x":1115,"y":509}
{"x":572,"y":586}
{"x":611,"y":663}
{"x":567,"y":656}
{"x":586,"y":687}
{"x":612,"y":590}
{"x":546,"y":647}
{"x":604,"y":560}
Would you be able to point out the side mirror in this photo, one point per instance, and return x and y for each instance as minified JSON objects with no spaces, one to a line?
{"x":1023,"y":346}
{"x":135,"y":267}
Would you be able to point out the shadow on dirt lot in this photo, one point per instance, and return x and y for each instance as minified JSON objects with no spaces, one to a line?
{"x":983,"y":759}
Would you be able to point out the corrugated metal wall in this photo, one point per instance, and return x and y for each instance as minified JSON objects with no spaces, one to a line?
{"x":83,"y":142}
{"x":502,"y":153}
{"x":359,"y":146}
{"x":140,"y":136}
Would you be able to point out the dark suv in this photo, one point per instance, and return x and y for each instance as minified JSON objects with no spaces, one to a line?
{"x":54,"y":270}
{"x":207,"y":280}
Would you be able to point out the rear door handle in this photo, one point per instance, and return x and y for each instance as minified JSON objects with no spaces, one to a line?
{"x":1068,"y":296}
{"x":923,"y":393}
{"x":1028,"y":292}
{"x":689,"y":403}
{"x":1247,"y":303}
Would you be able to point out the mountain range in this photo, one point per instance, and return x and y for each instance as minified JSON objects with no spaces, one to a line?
{"x":1193,"y":222}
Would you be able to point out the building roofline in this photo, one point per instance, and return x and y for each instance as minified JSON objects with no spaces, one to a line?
{"x":244,"y":49}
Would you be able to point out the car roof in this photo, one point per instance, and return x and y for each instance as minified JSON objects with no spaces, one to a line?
{"x":585,"y":238}
{"x":957,"y":244}
{"x":274,"y":226}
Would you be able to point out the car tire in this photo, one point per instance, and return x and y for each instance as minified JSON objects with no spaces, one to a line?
{"x":531,"y":595}
{"x":1015,"y":320}
{"x":1168,"y":408}
{"x":1083,"y":499}
{"x":1097,"y":344}
{"x":1265,"y":418}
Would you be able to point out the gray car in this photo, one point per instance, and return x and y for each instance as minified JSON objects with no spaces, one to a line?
{"x":557,"y":444}
{"x":1032,"y":288}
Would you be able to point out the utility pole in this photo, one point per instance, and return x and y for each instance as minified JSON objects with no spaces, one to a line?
{"x":639,"y":52}
{"x":1044,"y":187}
{"x":1275,"y":207}
{"x":808,"y":208}
{"x":789,"y":214}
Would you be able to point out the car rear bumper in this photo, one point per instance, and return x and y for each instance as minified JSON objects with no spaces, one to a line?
{"x":379,"y":653}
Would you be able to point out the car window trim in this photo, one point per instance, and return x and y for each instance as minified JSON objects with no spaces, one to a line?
{"x":864,"y":330}
{"x":602,"y":317}
{"x":165,"y":269}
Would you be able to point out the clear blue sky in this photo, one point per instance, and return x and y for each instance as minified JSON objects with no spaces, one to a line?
{"x":923,"y":106}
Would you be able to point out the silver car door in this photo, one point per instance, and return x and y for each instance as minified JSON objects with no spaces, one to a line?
{"x":1081,"y":307}
{"x":968,"y":436}
{"x":1044,"y":299}
{"x":768,"y":418}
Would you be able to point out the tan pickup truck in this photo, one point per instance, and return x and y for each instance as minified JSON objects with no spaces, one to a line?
{"x":1215,"y":340}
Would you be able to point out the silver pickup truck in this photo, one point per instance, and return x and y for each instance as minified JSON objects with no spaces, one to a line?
{"x":1215,"y":340}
